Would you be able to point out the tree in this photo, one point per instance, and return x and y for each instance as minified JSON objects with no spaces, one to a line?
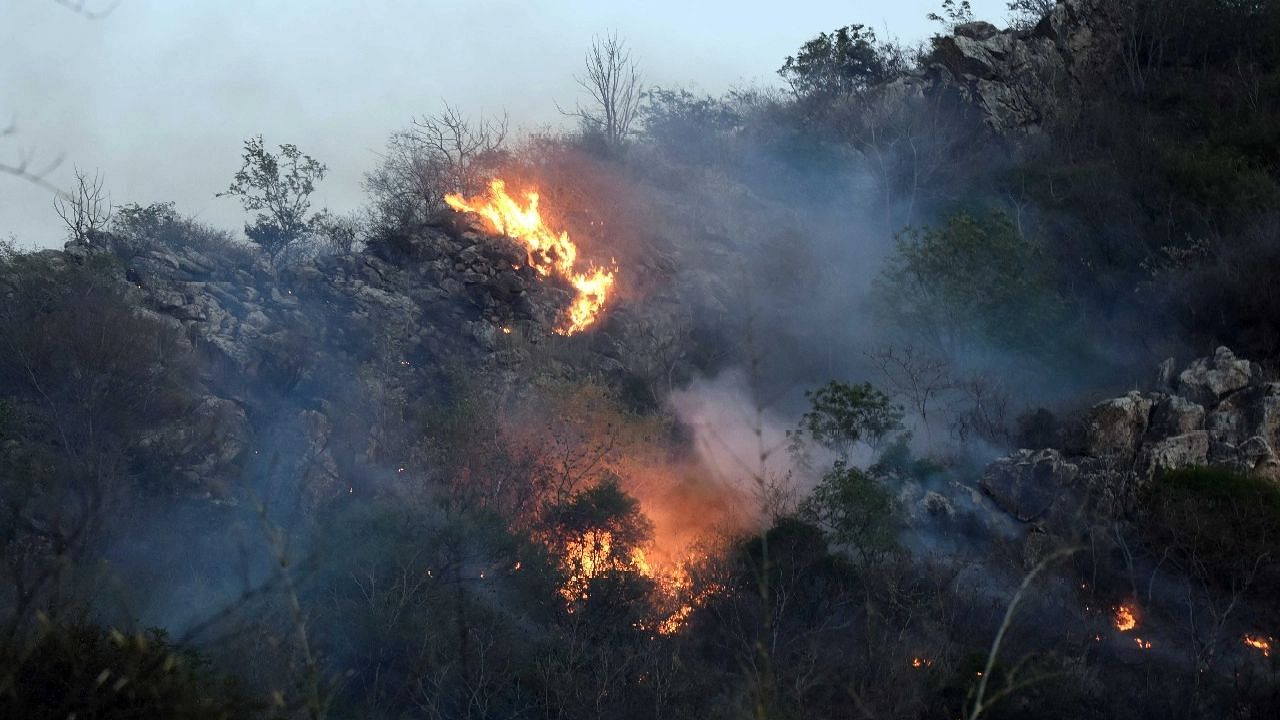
{"x":438,"y":154}
{"x":279,"y":188}
{"x":953,"y":15}
{"x":86,"y":211}
{"x":839,"y":64}
{"x":855,"y":510}
{"x":973,"y":279}
{"x":842,"y":415}
{"x":613,"y":82}
{"x":1027,"y":13}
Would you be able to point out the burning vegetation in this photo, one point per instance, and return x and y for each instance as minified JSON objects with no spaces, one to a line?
{"x":550,"y":253}
{"x":789,"y":480}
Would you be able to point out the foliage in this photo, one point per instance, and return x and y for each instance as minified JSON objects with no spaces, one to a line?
{"x":855,"y":510}
{"x":278,"y":188}
{"x":953,"y":14}
{"x":973,"y":279}
{"x":82,"y":670}
{"x":838,"y":64}
{"x":135,"y":228}
{"x":1221,"y":526}
{"x":843,"y":415}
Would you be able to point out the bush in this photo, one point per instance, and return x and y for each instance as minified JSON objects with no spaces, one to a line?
{"x":1220,"y":526}
{"x":134,"y":229}
{"x":973,"y":279}
{"x":83,"y":671}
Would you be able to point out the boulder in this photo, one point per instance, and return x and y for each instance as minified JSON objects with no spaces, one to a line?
{"x":1028,"y":483}
{"x":1208,"y":380}
{"x":1179,"y":451}
{"x":1117,"y":426}
{"x":1175,"y":415}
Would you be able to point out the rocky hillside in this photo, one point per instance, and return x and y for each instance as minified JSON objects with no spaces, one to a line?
{"x":351,"y":346}
{"x":1018,"y":78}
{"x":1218,"y":411}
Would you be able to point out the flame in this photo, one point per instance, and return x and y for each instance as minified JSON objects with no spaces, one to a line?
{"x":548,"y":252}
{"x":1143,"y":644}
{"x":1126,"y":617}
{"x":1260,"y":643}
{"x":593,"y":554}
{"x":922,"y":663}
{"x":590,"y":556}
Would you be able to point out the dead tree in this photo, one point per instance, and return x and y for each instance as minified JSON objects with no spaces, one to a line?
{"x":613,"y":82}
{"x":86,"y":210}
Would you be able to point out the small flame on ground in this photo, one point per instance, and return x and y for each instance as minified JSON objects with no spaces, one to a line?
{"x":921,"y":662}
{"x":1126,"y":617}
{"x":1260,"y":643}
{"x":1143,"y":644}
{"x":548,"y":252}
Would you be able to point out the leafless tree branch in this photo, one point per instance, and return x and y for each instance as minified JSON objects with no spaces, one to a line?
{"x":613,"y":82}
{"x":85,"y":8}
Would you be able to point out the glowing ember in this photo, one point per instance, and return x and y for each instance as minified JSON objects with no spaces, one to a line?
{"x":1144,"y":644}
{"x":923,"y":663}
{"x":1126,"y":618}
{"x":1260,"y":643}
{"x":548,"y":252}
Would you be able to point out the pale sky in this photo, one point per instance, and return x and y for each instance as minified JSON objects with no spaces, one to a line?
{"x":159,"y":95}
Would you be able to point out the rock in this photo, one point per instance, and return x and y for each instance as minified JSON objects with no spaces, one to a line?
{"x":979,"y":30}
{"x":1174,"y":452}
{"x":937,"y":505}
{"x":1166,"y":376}
{"x":1117,"y":426}
{"x":1175,"y":415}
{"x":1208,"y":380}
{"x":1028,"y":483}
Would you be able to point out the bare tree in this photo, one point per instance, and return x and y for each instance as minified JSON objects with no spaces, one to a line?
{"x":23,"y":169}
{"x":613,"y":82}
{"x":86,"y":210}
{"x":915,"y":374}
{"x":438,"y":154}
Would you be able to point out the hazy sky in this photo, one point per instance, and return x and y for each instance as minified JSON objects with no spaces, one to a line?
{"x":159,"y":94}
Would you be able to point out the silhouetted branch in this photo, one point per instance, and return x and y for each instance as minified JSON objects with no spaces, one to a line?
{"x":84,"y":8}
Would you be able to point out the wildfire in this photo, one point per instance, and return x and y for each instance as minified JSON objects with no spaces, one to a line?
{"x":589,"y":557}
{"x":1126,"y":617}
{"x":922,"y":663}
{"x":548,"y":252}
{"x":1143,"y":644}
{"x":1260,"y":643}
{"x":593,"y":554}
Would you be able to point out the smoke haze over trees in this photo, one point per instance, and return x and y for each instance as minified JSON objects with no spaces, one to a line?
{"x":932,"y":380}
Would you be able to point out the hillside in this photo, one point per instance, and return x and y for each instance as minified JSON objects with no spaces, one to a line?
{"x":944,"y":383}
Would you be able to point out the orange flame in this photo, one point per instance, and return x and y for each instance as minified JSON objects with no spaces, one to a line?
{"x":593,"y":554}
{"x":1260,"y":643}
{"x":923,"y":663}
{"x":548,"y":252}
{"x":1143,"y":644}
{"x":1126,"y":618}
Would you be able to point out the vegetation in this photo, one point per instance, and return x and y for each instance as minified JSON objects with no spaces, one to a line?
{"x":331,"y":516}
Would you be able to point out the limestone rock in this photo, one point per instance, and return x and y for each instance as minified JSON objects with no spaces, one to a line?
{"x":1117,"y":426}
{"x":1028,"y":483}
{"x":1208,"y":380}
